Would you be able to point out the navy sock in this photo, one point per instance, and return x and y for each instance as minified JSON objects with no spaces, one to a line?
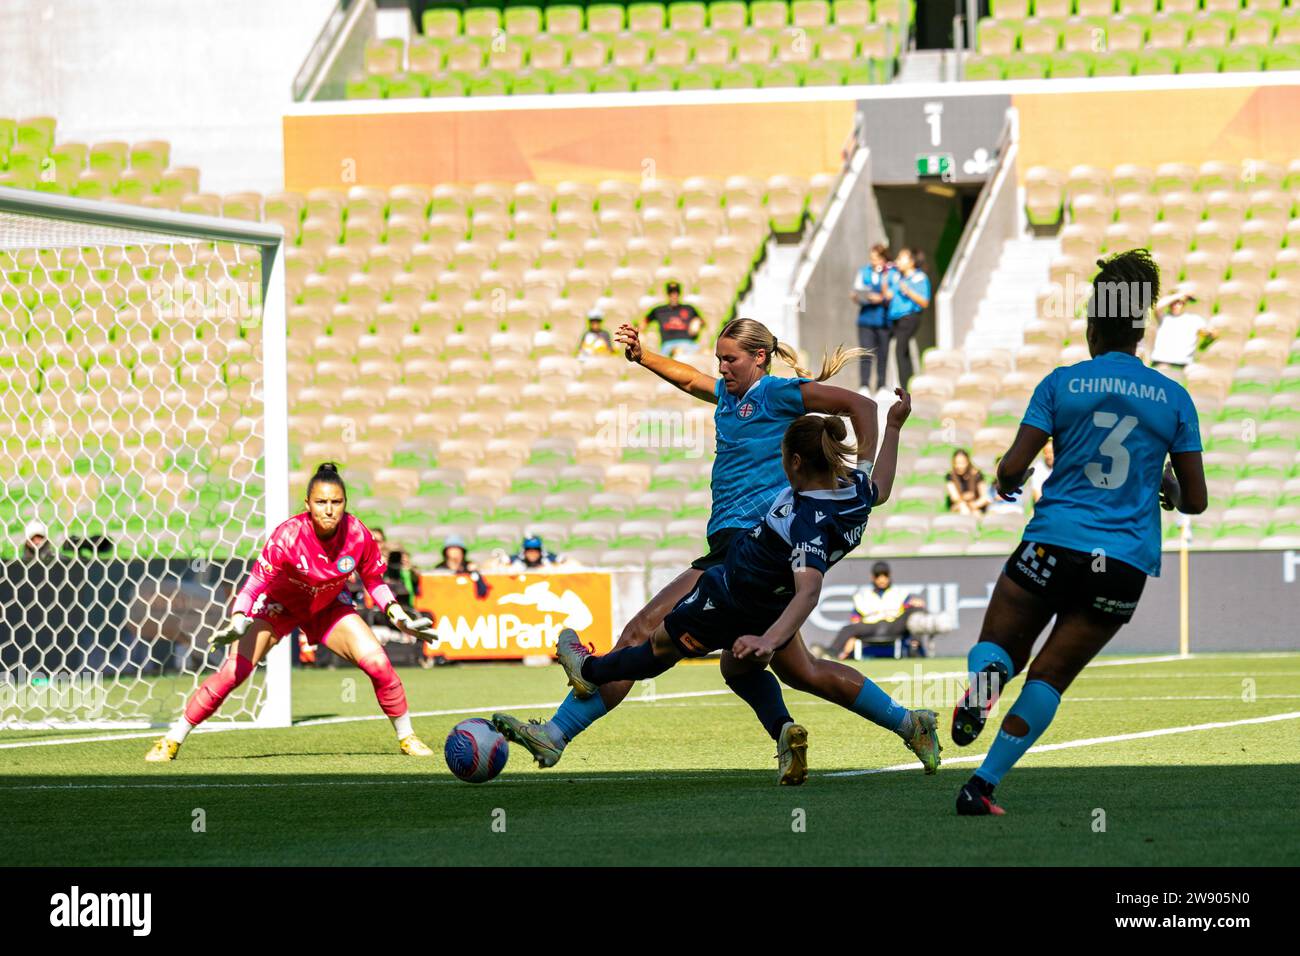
{"x":760,"y":690}
{"x":628,"y":663}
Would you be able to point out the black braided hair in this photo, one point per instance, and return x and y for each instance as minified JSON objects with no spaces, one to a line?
{"x":1122,"y":294}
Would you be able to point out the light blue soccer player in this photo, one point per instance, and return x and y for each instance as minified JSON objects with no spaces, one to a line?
{"x":754,"y":408}
{"x":1095,"y":533}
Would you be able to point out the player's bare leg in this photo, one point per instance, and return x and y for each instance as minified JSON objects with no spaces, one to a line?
{"x":546,"y":740}
{"x":753,"y":683}
{"x":1076,"y":638}
{"x":239,"y":663}
{"x":850,"y":688}
{"x":352,"y":640}
{"x":1014,"y":619}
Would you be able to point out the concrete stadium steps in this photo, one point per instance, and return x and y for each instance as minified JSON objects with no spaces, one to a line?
{"x":1009,"y":303}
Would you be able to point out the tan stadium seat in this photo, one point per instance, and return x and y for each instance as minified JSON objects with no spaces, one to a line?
{"x":616,"y":225}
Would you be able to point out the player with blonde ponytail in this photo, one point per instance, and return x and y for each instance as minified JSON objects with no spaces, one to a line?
{"x":754,"y":409}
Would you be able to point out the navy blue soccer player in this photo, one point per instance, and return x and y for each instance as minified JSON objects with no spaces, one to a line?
{"x":752,"y":605}
{"x":1095,"y":534}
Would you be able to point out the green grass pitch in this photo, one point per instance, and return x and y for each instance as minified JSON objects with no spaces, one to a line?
{"x":684,"y":780}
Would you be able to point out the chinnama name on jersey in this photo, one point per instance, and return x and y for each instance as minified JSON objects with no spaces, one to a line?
{"x":1118,"y":386}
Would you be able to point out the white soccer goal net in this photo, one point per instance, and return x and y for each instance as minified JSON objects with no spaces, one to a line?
{"x":142,"y":456}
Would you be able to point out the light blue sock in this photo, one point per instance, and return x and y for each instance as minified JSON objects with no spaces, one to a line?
{"x":985,"y":653}
{"x":574,"y":716}
{"x":878,"y":707}
{"x":980,"y":661}
{"x":1036,"y":706}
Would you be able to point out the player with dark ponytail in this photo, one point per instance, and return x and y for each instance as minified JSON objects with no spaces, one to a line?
{"x":300,"y":582}
{"x":1095,"y":534}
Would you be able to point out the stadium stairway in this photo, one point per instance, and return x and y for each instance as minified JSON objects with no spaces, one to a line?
{"x":770,"y":286}
{"x":1010,"y":303}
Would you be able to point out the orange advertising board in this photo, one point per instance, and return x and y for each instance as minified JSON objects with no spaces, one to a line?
{"x":521,"y":616}
{"x":578,"y":143}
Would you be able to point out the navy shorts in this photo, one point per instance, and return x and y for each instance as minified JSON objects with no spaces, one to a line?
{"x":1067,"y":580}
{"x":719,"y":542}
{"x":708,"y":618}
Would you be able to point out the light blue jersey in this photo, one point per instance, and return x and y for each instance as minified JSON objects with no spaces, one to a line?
{"x":1113,"y":421}
{"x":747,"y":473}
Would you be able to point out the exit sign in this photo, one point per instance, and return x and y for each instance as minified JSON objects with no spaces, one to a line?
{"x":934,"y":164}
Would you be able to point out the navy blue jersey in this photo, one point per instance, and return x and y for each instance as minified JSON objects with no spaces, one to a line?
{"x":810,"y":529}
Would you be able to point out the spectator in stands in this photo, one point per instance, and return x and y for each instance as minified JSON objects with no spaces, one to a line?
{"x":532,"y":556}
{"x":37,"y":546}
{"x":402,"y":579}
{"x":1179,"y":333}
{"x":907,"y":292}
{"x":873,"y":323}
{"x":1042,"y":472}
{"x":968,"y":492}
{"x":679,"y":323}
{"x":455,"y":559}
{"x":595,"y":342}
{"x":881,"y":612}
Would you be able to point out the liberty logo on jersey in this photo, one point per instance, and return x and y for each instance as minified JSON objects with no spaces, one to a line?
{"x":346,"y":564}
{"x":746,"y":410}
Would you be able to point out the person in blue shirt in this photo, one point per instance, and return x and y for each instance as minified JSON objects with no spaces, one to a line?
{"x":873,"y":324}
{"x":753,"y":410}
{"x":1095,"y":534}
{"x":752,"y":605}
{"x":907,"y":292}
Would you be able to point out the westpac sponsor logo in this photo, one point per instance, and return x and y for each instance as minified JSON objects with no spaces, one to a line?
{"x":78,"y":909}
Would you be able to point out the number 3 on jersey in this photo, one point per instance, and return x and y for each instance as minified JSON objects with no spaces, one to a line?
{"x":1112,"y":446}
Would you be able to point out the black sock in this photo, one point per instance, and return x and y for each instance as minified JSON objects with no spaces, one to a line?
{"x":628,"y":663}
{"x":760,"y":691}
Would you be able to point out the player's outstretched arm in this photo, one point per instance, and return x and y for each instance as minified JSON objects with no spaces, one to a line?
{"x":807,"y":592}
{"x":887,"y":461}
{"x":681,"y":375}
{"x":861,"y":411}
{"x":1016,"y":465}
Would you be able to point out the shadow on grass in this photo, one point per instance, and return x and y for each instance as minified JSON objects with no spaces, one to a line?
{"x":1097,"y":816}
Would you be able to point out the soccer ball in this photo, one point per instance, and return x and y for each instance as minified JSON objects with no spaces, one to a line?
{"x":474,"y":750}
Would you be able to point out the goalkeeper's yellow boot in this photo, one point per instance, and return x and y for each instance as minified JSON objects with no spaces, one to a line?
{"x":164,"y":750}
{"x":413,"y":746}
{"x":532,"y":736}
{"x":924,"y":739}
{"x":792,"y":755}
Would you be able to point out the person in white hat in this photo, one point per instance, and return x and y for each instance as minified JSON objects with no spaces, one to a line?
{"x":595,"y":341}
{"x":36,"y":543}
{"x":1179,"y":333}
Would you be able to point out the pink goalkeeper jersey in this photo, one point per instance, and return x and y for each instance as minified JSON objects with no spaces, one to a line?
{"x":306,"y":575}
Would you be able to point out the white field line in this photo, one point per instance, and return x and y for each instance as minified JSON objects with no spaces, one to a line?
{"x":1085,"y":742}
{"x":893,"y":678}
{"x":426,"y":780}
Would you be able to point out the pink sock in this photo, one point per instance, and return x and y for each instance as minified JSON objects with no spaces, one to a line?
{"x":388,"y":686}
{"x":217,"y":688}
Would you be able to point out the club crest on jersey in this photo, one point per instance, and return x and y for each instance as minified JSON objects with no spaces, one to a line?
{"x":746,"y":410}
{"x":346,"y":564}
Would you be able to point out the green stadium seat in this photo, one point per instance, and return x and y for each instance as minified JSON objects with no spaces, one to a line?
{"x":738,"y":76}
{"x":481,"y":21}
{"x":810,"y":14}
{"x":1155,"y":62}
{"x":522,"y":21}
{"x":1117,"y":63}
{"x":769,"y":13}
{"x":1026,"y":67}
{"x":984,"y":67}
{"x":563,"y":19}
{"x":441,"y":22}
{"x":850,"y":12}
{"x":892,"y":11}
{"x":696,"y":78}
{"x":821,"y":74}
{"x":546,"y":53}
{"x":611,"y":79}
{"x":646,"y":17}
{"x":1009,"y":9}
{"x":1065,"y":65}
{"x":572,"y":80}
{"x":1243,"y":59}
{"x":728,"y":15}
{"x":688,"y":16}
{"x":1199,"y":61}
{"x":652,"y":78}
{"x":778,"y":75}
{"x":1283,"y":57}
{"x":605,"y":18}
{"x":997,"y":37}
{"x":447,"y":84}
{"x":530,"y":82}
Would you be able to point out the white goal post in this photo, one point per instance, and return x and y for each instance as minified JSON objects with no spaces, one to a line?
{"x":143,"y":456}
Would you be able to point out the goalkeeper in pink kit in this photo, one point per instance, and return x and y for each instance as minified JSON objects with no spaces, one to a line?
{"x":299,"y":581}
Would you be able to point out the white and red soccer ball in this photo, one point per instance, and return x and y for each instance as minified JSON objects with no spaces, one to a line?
{"x":475,"y":751}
